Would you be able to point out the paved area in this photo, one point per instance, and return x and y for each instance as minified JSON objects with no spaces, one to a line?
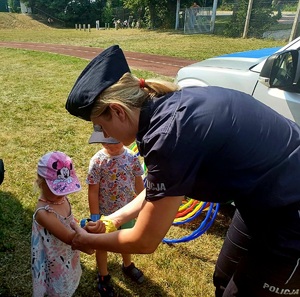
{"x":162,"y":65}
{"x":287,"y":18}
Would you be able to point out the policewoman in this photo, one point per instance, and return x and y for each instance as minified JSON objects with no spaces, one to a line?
{"x":207,"y":143}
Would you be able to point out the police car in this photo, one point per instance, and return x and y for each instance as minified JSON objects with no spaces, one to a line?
{"x":271,"y":75}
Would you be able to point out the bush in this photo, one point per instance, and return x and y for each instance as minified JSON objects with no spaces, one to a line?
{"x":262,"y":18}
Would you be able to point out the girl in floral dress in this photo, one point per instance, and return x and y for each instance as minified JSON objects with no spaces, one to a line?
{"x":56,"y":269}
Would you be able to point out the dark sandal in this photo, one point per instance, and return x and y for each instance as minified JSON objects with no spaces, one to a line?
{"x":134,"y":273}
{"x":104,"y":287}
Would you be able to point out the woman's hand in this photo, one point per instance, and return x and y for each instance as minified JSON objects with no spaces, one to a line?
{"x":80,"y":239}
{"x":95,"y":227}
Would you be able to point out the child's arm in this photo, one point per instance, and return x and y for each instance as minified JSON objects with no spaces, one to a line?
{"x":53,"y":225}
{"x":139,"y":184}
{"x":49,"y":221}
{"x":91,"y":227}
{"x":93,"y":197}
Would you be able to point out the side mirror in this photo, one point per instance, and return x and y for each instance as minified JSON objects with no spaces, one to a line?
{"x":282,"y":71}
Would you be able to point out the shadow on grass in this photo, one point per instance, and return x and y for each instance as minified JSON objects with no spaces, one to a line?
{"x":123,"y":286}
{"x":15,"y":230}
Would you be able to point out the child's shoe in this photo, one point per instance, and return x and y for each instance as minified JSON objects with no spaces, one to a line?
{"x":134,"y":273}
{"x":105,"y":288}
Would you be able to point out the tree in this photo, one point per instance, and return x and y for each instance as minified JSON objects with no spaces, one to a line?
{"x":69,"y":11}
{"x":261,"y":18}
{"x":152,"y":13}
{"x":14,"y":5}
{"x":156,"y":13}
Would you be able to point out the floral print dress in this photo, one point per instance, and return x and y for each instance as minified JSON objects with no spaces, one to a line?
{"x":56,"y":269}
{"x":116,"y":177}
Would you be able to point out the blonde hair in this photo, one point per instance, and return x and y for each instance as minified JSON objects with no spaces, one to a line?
{"x":129,"y":93}
{"x":38,"y":184}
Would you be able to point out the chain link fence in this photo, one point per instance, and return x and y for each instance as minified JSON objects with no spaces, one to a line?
{"x":197,"y":20}
{"x":274,"y":21}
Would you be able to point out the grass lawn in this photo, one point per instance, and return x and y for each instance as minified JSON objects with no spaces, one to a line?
{"x":33,"y":90}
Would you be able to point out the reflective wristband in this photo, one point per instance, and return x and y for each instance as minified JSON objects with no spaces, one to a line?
{"x":83,"y":222}
{"x":95,"y":217}
{"x":109,"y":225}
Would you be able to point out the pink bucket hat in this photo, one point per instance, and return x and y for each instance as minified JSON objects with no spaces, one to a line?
{"x":58,"y":170}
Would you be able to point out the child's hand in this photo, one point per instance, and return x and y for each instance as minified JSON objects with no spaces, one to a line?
{"x":95,"y":227}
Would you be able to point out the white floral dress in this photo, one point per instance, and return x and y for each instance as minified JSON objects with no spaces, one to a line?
{"x":56,"y":269}
{"x":116,"y":177}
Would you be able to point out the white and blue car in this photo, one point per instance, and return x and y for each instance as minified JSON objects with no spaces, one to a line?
{"x":271,"y":75}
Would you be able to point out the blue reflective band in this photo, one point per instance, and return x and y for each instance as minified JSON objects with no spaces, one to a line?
{"x":83,"y":222}
{"x":95,"y":217}
{"x":264,"y":52}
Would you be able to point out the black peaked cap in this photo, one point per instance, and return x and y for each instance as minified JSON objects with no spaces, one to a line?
{"x":102,"y":72}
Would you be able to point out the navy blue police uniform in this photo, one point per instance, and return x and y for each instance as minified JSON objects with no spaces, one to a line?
{"x":219,"y":145}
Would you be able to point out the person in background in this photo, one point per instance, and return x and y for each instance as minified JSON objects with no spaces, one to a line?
{"x":195,"y":5}
{"x":210,"y":142}
{"x":114,"y":179}
{"x":55,"y":267}
{"x":193,"y":15}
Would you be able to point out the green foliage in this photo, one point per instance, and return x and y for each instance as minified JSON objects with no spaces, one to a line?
{"x":152,"y":13}
{"x":261,"y":19}
{"x":107,"y":14}
{"x":157,"y":14}
{"x":69,"y":11}
{"x":3,"y":6}
{"x":14,"y":5}
{"x":288,"y":5}
{"x":227,"y":5}
{"x":135,"y":4}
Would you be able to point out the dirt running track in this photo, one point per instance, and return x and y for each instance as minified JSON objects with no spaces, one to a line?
{"x":163,"y":65}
